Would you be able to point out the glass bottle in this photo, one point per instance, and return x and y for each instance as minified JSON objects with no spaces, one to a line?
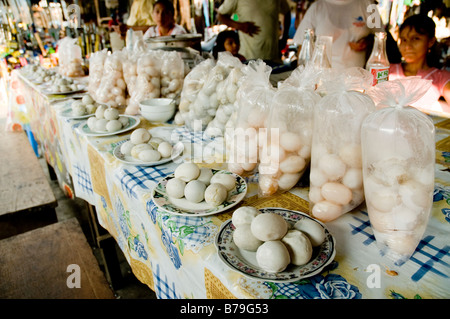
{"x":320,"y":58}
{"x":378,"y":63}
{"x":307,"y":49}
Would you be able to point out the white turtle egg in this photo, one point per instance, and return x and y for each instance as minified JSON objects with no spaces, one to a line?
{"x":99,"y":113}
{"x":326,"y":211}
{"x":256,"y":118}
{"x":244,"y":239}
{"x":236,"y":168}
{"x":286,"y":181}
{"x":315,"y":195}
{"x":226,"y":180}
{"x":126,"y":147}
{"x":381,"y":221}
{"x":87,"y":99}
{"x":290,"y":141}
{"x":353,"y":178}
{"x":215,"y":194}
{"x":111,"y":114}
{"x":415,"y":195}
{"x":267,"y":185}
{"x":299,"y":247}
{"x":205,"y":175}
{"x":149,"y":155}
{"x":244,"y":215}
{"x":90,"y":108}
{"x":273,"y":256}
{"x":312,"y":229}
{"x":120,"y":83}
{"x":175,"y":188}
{"x":317,"y":178}
{"x":139,"y":148}
{"x":249,"y":166}
{"x":155,"y":141}
{"x":100,"y":125}
{"x":113,"y":126}
{"x":351,"y":155}
{"x":336,"y":193}
{"x":305,"y":152}
{"x":165,"y":149}
{"x":79,"y":110}
{"x":187,"y":172}
{"x":402,"y":243}
{"x":293,"y":164}
{"x":384,"y":199}
{"x":91,"y":123}
{"x":140,"y":135}
{"x":332,"y":166}
{"x":124,"y":120}
{"x":120,"y":100}
{"x":269,"y":226}
{"x":194,"y":191}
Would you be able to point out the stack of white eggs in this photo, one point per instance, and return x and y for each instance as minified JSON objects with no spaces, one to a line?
{"x":336,"y":182}
{"x":112,"y":89}
{"x":60,"y":84}
{"x":271,"y":237}
{"x":192,"y":85}
{"x":197,"y":184}
{"x":96,"y":63}
{"x":40,"y":75}
{"x":226,"y":96}
{"x":84,"y":106}
{"x":145,"y":147}
{"x":72,"y":68}
{"x":107,"y":119}
{"x":172,"y":74}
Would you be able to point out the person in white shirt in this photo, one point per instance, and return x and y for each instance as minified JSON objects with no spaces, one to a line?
{"x":259,"y":26}
{"x":163,"y":15}
{"x":346,"y":21}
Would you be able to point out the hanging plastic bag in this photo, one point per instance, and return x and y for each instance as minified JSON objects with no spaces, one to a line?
{"x":172,"y":75}
{"x":112,"y":89}
{"x":398,"y":152}
{"x":287,"y":154}
{"x":192,"y":85}
{"x":96,"y":62}
{"x":336,"y":185}
{"x":254,"y":100}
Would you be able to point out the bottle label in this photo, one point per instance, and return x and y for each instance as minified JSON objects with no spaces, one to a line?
{"x":379,"y":75}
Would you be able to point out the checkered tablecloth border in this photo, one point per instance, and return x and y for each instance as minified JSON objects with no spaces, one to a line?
{"x":163,"y":289}
{"x":422,"y":257}
{"x":83,"y":179}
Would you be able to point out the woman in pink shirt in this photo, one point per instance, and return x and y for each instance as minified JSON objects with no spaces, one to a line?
{"x":417,"y":37}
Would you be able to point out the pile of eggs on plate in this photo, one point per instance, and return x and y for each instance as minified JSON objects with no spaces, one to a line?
{"x":145,"y":147}
{"x":197,"y":184}
{"x":60,"y":84}
{"x":107,"y":119}
{"x":84,"y":106}
{"x":276,"y":244}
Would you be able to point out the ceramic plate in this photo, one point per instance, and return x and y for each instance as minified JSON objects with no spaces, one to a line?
{"x":67,"y":114}
{"x":132,"y":123}
{"x":133,"y":161}
{"x":47,"y":92}
{"x":183,"y":207}
{"x":245,"y":261}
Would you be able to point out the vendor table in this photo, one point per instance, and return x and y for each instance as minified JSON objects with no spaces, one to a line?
{"x":176,"y":255}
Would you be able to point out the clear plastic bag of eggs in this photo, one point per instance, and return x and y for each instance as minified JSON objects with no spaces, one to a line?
{"x":336,"y":185}
{"x":172,"y":75}
{"x":254,"y":100}
{"x":226,"y":97}
{"x":192,"y":84}
{"x":112,"y":89}
{"x":96,"y":62}
{"x":398,"y":157}
{"x":285,"y":151}
{"x":69,"y":57}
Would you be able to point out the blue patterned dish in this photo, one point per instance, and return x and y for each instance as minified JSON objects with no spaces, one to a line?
{"x":245,"y":261}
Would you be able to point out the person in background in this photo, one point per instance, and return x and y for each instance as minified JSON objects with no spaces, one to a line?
{"x":164,"y":17}
{"x":228,"y":40}
{"x":346,"y":22}
{"x":416,"y":44}
{"x":139,"y":19}
{"x":258,"y":23}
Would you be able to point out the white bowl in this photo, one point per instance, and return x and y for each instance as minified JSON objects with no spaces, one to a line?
{"x":158,"y":110}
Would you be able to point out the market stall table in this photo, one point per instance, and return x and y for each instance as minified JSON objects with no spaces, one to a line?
{"x":176,"y":255}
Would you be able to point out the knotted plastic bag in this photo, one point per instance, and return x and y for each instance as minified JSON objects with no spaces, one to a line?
{"x":336,"y":185}
{"x":254,"y":99}
{"x":287,"y":153}
{"x":398,"y":153}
